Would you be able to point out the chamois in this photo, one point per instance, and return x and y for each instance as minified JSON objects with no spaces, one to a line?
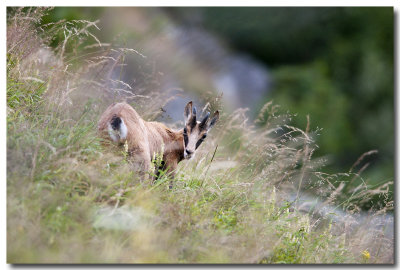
{"x":123,"y":125}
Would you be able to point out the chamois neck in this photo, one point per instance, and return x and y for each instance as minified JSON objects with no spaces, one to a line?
{"x":175,"y":143}
{"x":180,"y":142}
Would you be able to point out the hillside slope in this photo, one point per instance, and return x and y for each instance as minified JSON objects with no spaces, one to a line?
{"x":72,"y":199}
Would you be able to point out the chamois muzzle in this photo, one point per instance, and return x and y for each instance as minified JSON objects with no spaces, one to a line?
{"x":188,"y":154}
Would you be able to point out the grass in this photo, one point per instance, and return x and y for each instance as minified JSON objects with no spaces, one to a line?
{"x":72,"y":198}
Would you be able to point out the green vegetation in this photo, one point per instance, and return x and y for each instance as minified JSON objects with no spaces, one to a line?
{"x":72,"y":198}
{"x":334,"y":64}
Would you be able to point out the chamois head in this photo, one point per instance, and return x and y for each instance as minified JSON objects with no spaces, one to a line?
{"x":195,"y":131}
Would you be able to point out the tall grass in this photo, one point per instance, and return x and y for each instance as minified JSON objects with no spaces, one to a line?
{"x":73,"y":199}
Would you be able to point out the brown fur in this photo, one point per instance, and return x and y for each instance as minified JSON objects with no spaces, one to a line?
{"x":146,"y":139}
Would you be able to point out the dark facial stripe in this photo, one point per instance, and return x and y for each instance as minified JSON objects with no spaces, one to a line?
{"x":200,"y":140}
{"x":198,"y":143}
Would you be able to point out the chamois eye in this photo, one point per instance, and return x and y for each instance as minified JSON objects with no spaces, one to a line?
{"x":201,"y":140}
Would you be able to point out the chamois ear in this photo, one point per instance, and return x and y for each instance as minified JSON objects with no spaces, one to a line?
{"x":193,"y":120}
{"x":214,"y":119}
{"x":188,"y":111}
{"x":203,"y":124}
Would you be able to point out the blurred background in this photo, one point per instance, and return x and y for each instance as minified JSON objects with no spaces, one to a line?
{"x":333,"y":64}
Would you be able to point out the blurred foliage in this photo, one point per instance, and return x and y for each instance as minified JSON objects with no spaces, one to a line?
{"x":73,"y":13}
{"x":334,"y":64}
